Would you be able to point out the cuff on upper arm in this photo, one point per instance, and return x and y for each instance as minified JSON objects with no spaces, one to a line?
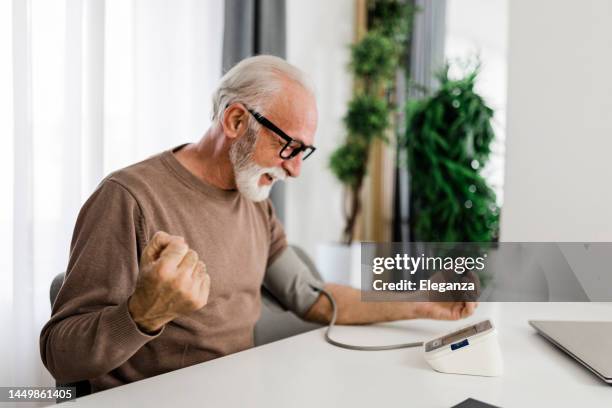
{"x":290,"y":280}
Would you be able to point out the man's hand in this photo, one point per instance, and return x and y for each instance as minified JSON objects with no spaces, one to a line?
{"x":172,"y":282}
{"x":444,"y":310}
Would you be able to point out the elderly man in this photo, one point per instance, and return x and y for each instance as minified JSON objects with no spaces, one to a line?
{"x":168,"y":255}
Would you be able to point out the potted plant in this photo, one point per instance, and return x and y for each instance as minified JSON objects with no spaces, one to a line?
{"x":448,"y":140}
{"x":375,"y":59}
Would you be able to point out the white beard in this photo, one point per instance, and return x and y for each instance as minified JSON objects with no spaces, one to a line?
{"x":247,"y":180}
{"x":248,"y":173}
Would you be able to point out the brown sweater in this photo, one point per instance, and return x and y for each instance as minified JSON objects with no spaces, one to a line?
{"x":91,"y":334}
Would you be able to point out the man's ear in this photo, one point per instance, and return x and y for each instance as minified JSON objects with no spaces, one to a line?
{"x":234,"y":121}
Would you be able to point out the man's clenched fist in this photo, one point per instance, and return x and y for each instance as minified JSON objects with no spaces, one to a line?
{"x":172,"y":282}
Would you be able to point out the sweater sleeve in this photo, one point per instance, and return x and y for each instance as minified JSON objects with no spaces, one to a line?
{"x":91,"y":331}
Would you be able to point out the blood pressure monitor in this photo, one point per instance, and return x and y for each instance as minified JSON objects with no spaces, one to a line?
{"x":473,"y":350}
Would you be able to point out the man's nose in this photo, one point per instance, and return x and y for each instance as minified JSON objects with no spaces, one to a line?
{"x":293,"y":166}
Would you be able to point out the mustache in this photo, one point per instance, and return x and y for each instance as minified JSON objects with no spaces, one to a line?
{"x":275,"y":172}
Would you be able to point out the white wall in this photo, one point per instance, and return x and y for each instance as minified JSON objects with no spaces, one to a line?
{"x":559,"y":146}
{"x":318,"y":35}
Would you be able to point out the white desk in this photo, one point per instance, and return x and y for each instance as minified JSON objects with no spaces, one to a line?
{"x":305,"y":371}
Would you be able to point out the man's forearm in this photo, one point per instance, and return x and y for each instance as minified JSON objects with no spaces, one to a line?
{"x":88,"y":345}
{"x":351,"y":310}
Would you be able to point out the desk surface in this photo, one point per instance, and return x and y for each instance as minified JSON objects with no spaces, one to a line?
{"x":306,"y":371}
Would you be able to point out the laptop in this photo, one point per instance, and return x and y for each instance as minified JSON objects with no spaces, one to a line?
{"x":587,"y":342}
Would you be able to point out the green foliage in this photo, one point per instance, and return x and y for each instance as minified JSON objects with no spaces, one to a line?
{"x":367,"y":116}
{"x":393,"y":18}
{"x":374,"y":57}
{"x":448,"y":137}
{"x":374,"y":62}
{"x":348,"y":161}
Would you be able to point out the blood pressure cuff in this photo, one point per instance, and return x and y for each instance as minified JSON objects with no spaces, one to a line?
{"x":291,"y":282}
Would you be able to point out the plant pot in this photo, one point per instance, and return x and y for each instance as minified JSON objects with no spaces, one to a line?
{"x":340,"y":263}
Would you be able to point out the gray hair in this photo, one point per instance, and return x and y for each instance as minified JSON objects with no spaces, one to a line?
{"x":254,"y":81}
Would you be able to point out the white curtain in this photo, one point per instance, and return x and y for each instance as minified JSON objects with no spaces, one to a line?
{"x":86,"y":87}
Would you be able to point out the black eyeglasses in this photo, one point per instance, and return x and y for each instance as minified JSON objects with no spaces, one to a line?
{"x":292,"y":147}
